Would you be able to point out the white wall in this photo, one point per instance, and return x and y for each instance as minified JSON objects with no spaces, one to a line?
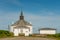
{"x":26,"y":31}
{"x":31,"y":31}
{"x":17,"y":31}
{"x":11,"y":28}
{"x":47,"y":31}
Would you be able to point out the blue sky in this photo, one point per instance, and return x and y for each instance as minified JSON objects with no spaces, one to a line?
{"x":41,"y":13}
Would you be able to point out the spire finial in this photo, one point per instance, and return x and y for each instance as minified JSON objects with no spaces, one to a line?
{"x":21,"y":12}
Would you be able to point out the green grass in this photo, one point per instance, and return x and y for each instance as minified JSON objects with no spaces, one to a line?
{"x":4,"y":33}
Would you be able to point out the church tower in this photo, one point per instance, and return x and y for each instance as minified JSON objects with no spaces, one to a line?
{"x":21,"y":16}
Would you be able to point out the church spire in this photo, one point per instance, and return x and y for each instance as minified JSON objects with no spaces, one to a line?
{"x":21,"y":16}
{"x":21,"y":13}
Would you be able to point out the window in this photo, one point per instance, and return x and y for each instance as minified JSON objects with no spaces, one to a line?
{"x":26,"y":31}
{"x":21,"y":31}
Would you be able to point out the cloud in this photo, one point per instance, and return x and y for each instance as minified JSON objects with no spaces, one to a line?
{"x":10,"y":2}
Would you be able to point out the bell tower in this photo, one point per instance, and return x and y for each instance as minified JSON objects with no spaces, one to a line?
{"x":21,"y":16}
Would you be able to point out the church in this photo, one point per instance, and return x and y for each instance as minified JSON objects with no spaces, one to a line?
{"x":21,"y":27}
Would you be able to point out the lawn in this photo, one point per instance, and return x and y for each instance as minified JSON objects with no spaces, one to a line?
{"x":7,"y":34}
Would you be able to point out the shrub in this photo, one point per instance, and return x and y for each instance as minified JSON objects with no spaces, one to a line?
{"x":54,"y":35}
{"x":4,"y":33}
{"x":57,"y":35}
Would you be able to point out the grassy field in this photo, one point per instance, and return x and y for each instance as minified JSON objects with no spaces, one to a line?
{"x":27,"y":38}
{"x":9,"y":35}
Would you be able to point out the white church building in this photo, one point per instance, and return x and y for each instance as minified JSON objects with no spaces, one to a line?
{"x":21,"y":27}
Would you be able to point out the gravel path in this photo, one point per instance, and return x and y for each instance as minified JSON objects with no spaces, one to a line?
{"x":26,"y":38}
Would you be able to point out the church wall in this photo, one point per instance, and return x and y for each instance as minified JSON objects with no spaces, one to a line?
{"x":11,"y":28}
{"x":25,"y":31}
{"x":30,"y":29}
{"x":16,"y":32}
{"x":19,"y":30}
